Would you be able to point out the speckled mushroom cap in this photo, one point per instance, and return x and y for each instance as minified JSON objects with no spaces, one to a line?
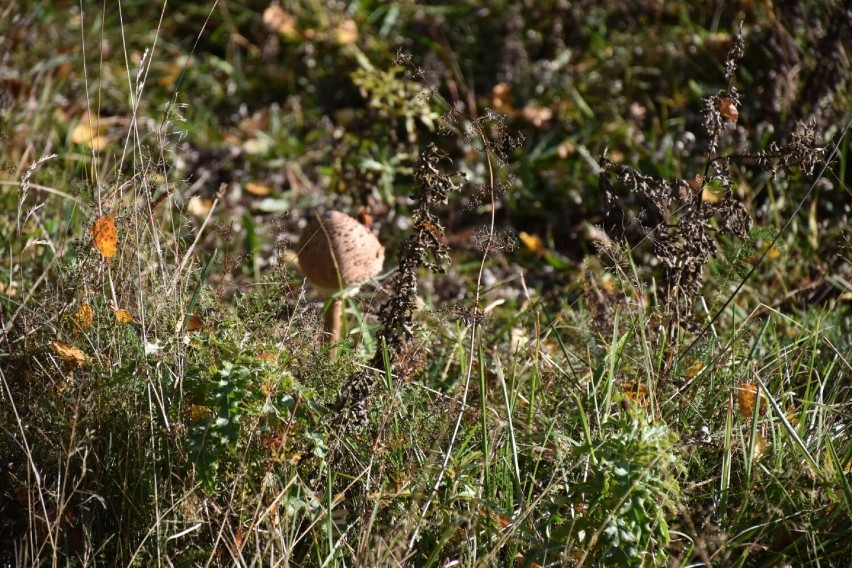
{"x":336,"y":252}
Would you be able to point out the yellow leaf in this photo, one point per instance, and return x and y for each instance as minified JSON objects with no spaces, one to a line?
{"x":123,"y":317}
{"x":532,"y":242}
{"x":68,"y":352}
{"x":92,"y":136}
{"x":257,"y":188}
{"x":84,"y":317}
{"x":105,"y":235}
{"x":693,"y":370}
{"x":746,"y":399}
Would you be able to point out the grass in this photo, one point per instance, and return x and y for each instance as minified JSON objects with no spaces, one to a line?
{"x":537,"y":380}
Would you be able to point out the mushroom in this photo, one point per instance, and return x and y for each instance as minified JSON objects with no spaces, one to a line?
{"x":336,"y":252}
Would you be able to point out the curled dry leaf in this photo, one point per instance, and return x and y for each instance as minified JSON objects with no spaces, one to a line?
{"x":68,"y":352}
{"x":105,"y":235}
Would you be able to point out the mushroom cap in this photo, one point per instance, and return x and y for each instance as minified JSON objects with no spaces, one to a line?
{"x":336,"y":252}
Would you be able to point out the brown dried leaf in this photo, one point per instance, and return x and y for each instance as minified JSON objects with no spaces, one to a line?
{"x":728,"y":109}
{"x":194,"y":323}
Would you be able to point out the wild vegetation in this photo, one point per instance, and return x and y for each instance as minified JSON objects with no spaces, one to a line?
{"x":613,"y":326}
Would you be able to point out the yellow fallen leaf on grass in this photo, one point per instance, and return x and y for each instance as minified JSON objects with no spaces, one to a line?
{"x":84,"y":317}
{"x":105,"y":235}
{"x":68,"y":352}
{"x":532,"y":242}
{"x":693,"y":370}
{"x":257,"y":188}
{"x":746,"y":399}
{"x":92,"y":136}
{"x":123,"y":317}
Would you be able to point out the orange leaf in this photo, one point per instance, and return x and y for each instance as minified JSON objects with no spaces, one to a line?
{"x":105,"y":235}
{"x":84,"y":316}
{"x":68,"y":352}
{"x":746,"y":399}
{"x":637,"y":392}
{"x":123,"y":317}
{"x":532,"y":242}
{"x":728,"y":109}
{"x":194,"y":323}
{"x":256,"y":188}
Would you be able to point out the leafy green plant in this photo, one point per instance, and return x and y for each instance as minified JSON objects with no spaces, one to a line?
{"x":628,"y":498}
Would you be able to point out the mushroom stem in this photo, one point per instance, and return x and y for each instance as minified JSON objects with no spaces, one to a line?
{"x":332,"y":321}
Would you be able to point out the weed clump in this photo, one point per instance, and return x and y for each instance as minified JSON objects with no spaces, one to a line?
{"x":678,"y":215}
{"x":423,"y":248}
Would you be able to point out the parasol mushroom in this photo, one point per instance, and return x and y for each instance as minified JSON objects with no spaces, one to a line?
{"x":336,"y":252}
